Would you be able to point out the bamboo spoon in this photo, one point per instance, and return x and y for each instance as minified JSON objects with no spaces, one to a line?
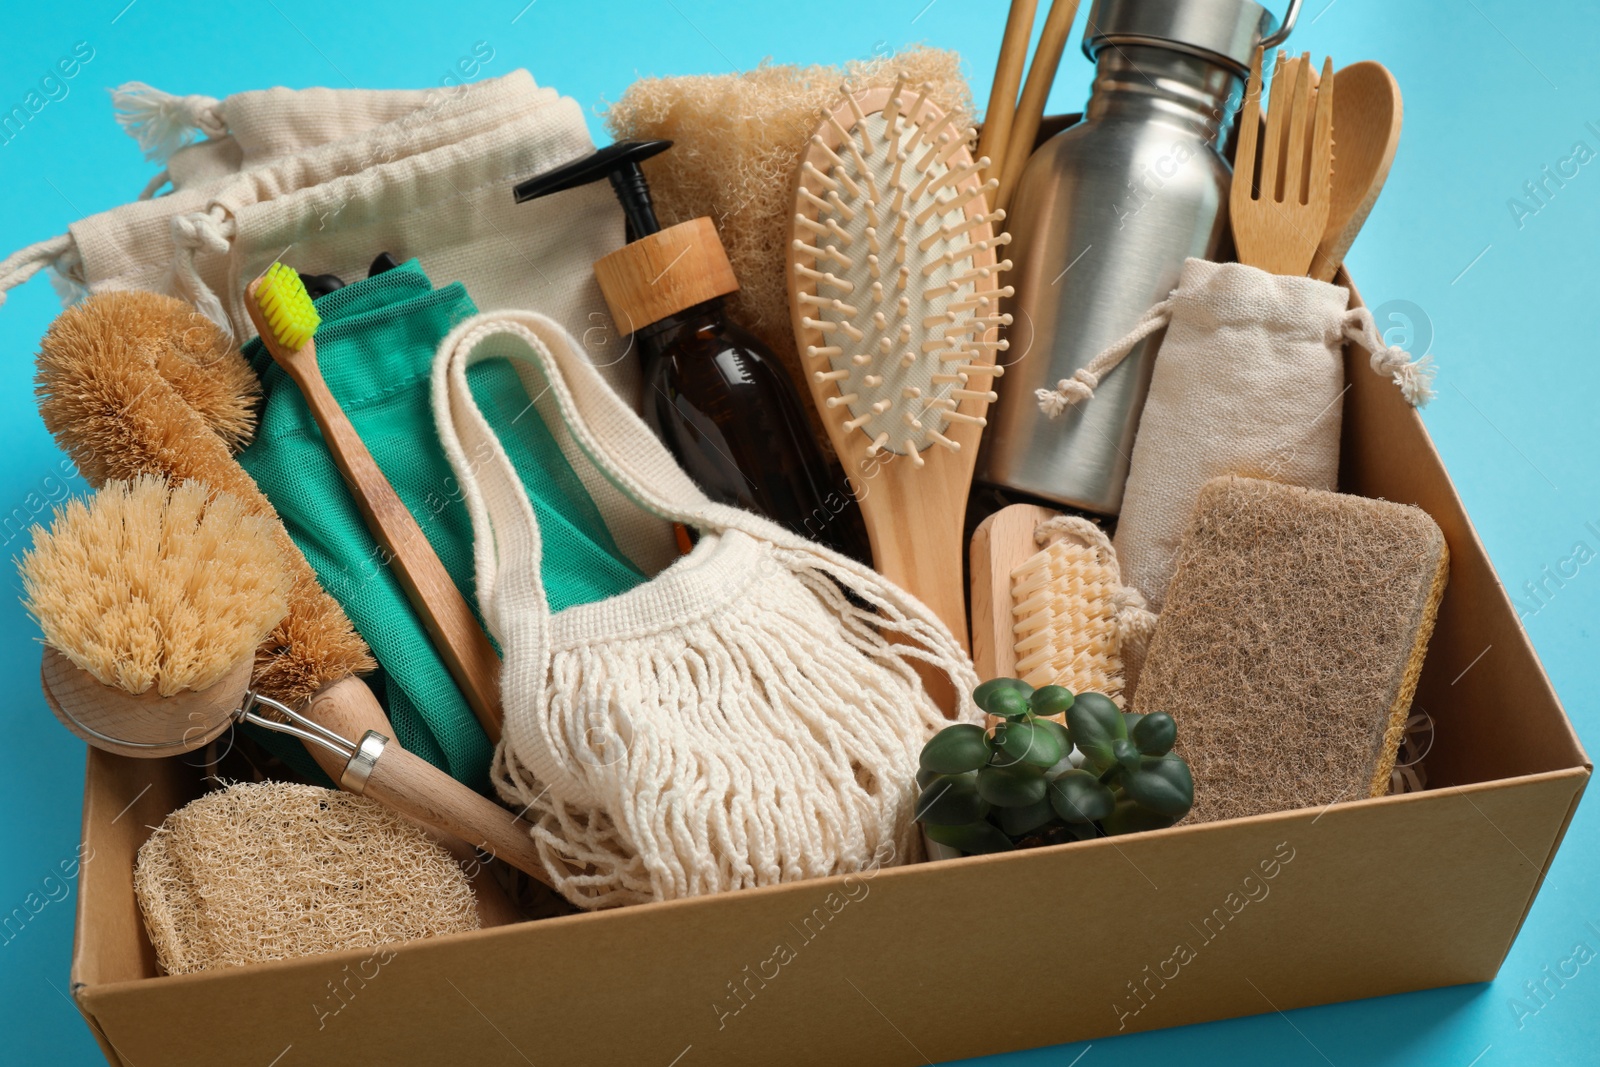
{"x":1279,"y":230}
{"x":1025,"y":127}
{"x":1366,"y":120}
{"x":444,"y":612}
{"x":1002,"y":109}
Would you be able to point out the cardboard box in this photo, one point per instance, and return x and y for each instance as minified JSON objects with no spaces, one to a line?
{"x":1233,"y":918}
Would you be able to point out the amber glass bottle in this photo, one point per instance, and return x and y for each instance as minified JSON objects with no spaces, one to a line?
{"x":718,"y":399}
{"x":724,"y":407}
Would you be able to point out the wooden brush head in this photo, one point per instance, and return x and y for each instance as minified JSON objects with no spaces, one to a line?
{"x":894,"y":280}
{"x":143,"y":725}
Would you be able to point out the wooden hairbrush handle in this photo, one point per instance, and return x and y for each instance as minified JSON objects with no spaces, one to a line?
{"x":416,"y":788}
{"x":449,"y":620}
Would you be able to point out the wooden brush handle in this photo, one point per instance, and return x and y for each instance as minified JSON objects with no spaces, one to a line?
{"x":418,"y":790}
{"x":461,"y":642}
{"x":1030,"y":109}
{"x":349,"y":709}
{"x":414,"y":787}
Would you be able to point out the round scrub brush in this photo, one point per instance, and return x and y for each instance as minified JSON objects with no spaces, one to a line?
{"x":894,"y":298}
{"x":133,"y":383}
{"x":146,"y":597}
{"x":126,"y":591}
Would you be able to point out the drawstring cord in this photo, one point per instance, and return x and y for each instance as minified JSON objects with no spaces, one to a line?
{"x":1414,"y":377}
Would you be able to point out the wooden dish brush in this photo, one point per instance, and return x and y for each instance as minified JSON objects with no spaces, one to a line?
{"x":895,"y":304}
{"x":168,"y":588}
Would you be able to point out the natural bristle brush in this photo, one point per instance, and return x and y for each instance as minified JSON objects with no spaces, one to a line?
{"x":894,"y":293}
{"x":153,"y":598}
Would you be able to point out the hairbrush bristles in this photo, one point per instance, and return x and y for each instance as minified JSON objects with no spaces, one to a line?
{"x":149,"y":584}
{"x":893,"y":272}
{"x":287,"y":307}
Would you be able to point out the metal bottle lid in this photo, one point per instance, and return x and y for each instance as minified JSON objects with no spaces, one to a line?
{"x":1224,"y":31}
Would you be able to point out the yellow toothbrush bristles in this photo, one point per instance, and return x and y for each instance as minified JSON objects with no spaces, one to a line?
{"x":1064,"y":626}
{"x":287,"y":307}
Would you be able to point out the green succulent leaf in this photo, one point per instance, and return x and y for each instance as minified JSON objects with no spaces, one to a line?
{"x":1050,"y":700}
{"x":1162,"y":784}
{"x":1056,"y":730}
{"x":974,"y":838}
{"x":924,"y":777}
{"x":1008,"y":704}
{"x":1129,"y":818}
{"x":1079,"y":797}
{"x":1154,"y":734}
{"x":950,"y":800}
{"x":985,"y":693}
{"x":1019,"y":822}
{"x":1126,"y":755}
{"x":1015,"y":786}
{"x":955,"y":750}
{"x":1027,"y":741}
{"x":1094,"y":723}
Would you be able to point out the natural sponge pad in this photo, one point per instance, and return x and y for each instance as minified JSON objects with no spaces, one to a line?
{"x":737,"y":143}
{"x":1290,"y":643}
{"x":273,"y":870}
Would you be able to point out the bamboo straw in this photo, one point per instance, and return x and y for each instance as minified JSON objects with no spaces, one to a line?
{"x":1025,"y":126}
{"x":1007,"y":79}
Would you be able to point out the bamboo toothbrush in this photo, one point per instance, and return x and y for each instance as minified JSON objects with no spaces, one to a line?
{"x":287,"y":320}
{"x":153,"y":597}
{"x":894,"y":298}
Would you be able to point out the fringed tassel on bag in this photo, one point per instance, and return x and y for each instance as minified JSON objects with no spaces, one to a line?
{"x":161,"y":122}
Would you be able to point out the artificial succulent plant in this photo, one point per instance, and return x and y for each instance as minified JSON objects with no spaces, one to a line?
{"x":1017,"y":785}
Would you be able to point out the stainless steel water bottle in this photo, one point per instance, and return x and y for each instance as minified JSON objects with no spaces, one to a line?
{"x":1104,"y":216}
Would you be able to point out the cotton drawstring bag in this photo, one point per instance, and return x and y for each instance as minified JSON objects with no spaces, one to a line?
{"x":130,"y":247}
{"x":432,"y":182}
{"x":1249,"y":380}
{"x":739,"y":720}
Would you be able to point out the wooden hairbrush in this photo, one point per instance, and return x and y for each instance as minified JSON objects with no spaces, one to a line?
{"x":895,"y":302}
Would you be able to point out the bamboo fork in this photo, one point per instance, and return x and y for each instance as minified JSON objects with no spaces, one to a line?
{"x":1280,"y":202}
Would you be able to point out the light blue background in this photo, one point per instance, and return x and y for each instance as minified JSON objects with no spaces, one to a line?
{"x":1494,"y":90}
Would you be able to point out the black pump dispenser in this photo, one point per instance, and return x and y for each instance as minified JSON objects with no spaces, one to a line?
{"x":618,"y":162}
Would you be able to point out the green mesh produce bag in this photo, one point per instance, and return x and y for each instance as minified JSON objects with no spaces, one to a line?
{"x":375,"y":348}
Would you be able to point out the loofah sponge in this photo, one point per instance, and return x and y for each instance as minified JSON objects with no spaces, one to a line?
{"x":737,"y":144}
{"x":273,"y":871}
{"x":133,"y":383}
{"x":1291,"y":642}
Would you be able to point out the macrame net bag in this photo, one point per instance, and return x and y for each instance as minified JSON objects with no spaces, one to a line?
{"x":752,"y":715}
{"x":275,"y":871}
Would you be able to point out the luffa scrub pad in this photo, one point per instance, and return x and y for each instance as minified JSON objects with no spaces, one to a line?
{"x":737,"y":142}
{"x":274,"y":871}
{"x":1291,"y":642}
